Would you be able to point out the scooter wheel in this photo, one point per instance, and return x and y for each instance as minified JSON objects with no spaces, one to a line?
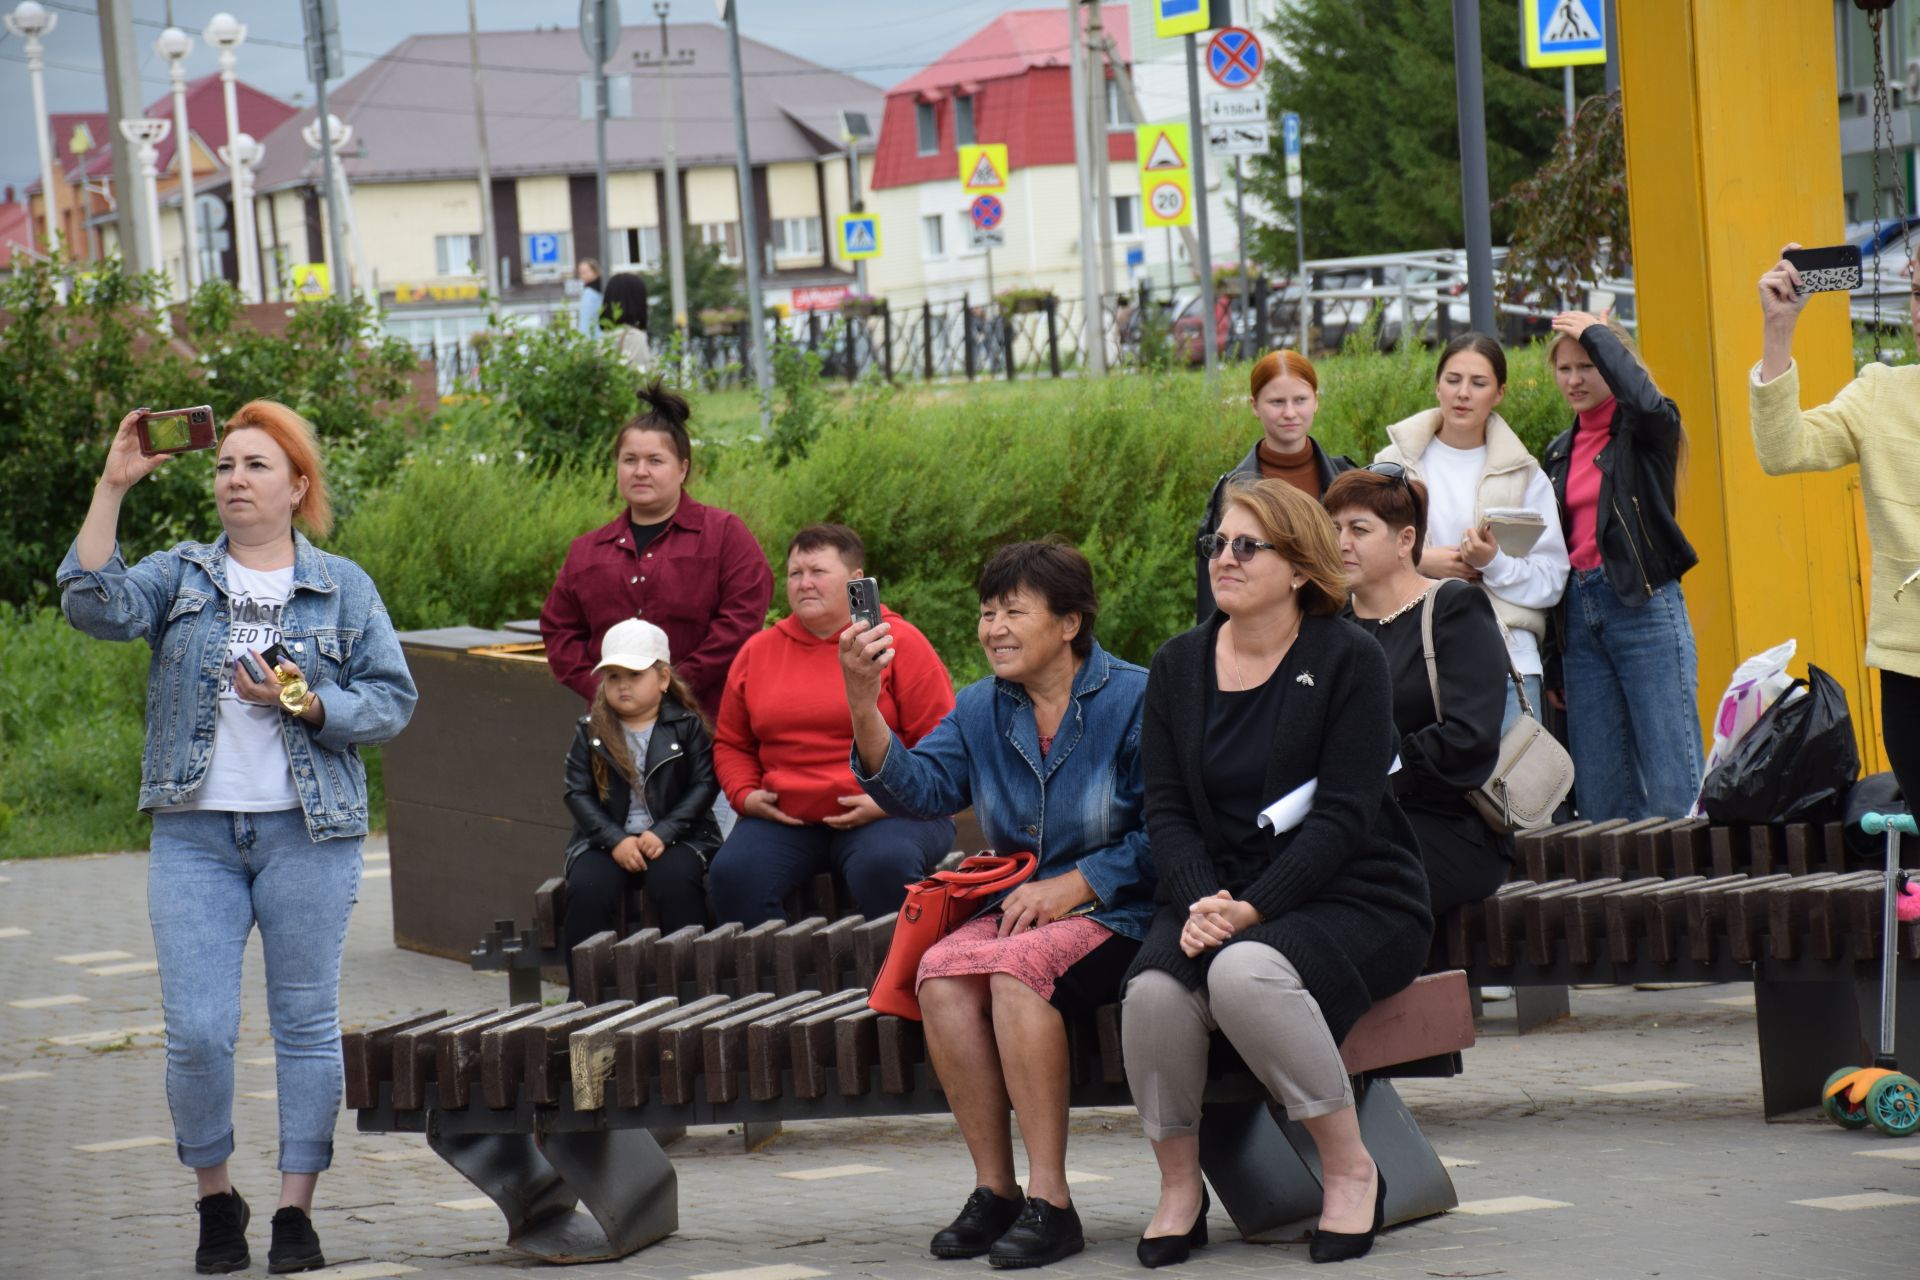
{"x":1893,"y":1105}
{"x":1848,"y":1115}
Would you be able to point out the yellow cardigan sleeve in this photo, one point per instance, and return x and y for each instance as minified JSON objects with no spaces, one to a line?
{"x":1788,"y":438}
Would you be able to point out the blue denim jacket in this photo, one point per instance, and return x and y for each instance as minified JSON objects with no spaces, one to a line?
{"x":1079,"y":805}
{"x":335,"y":627}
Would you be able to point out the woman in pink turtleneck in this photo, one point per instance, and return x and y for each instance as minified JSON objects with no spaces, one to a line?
{"x":1628,"y":665}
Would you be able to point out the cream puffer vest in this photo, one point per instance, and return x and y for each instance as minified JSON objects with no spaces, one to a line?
{"x":1502,"y":484}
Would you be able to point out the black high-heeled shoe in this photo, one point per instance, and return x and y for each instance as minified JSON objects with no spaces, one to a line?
{"x":1342,"y":1246}
{"x":1171,"y":1251}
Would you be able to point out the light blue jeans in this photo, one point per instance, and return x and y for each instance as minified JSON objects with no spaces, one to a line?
{"x":211,"y":877}
{"x":1633,"y":716}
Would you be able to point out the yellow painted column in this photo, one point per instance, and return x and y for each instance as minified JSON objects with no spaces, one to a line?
{"x":1733,"y":149}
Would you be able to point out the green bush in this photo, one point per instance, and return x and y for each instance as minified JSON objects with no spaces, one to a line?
{"x":71,"y":732}
{"x":566,"y":393}
{"x":465,"y":537}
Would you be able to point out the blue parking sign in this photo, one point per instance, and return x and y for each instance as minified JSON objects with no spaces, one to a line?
{"x":543,"y":249}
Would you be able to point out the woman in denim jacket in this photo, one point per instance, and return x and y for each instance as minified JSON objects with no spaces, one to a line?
{"x":258,"y":795}
{"x":1047,"y":751}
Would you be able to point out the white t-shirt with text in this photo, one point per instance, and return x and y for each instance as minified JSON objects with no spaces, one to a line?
{"x":249,"y":772}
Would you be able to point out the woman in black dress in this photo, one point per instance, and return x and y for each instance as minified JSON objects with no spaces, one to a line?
{"x":1279,"y":938}
{"x":1381,"y":517}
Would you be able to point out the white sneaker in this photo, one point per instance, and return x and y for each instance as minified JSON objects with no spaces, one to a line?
{"x":1490,"y":994}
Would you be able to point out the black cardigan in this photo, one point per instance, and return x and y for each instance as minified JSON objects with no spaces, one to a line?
{"x":1344,"y":895}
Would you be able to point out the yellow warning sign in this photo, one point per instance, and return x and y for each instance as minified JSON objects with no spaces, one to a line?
{"x":983,"y":168}
{"x":1166,"y":183}
{"x":309,"y":281}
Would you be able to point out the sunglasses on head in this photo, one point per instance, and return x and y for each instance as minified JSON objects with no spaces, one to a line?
{"x":1391,"y":470}
{"x":1244,"y":548}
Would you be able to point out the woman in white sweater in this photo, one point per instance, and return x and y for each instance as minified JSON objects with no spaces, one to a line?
{"x":1875,"y":422}
{"x":1471,"y":461}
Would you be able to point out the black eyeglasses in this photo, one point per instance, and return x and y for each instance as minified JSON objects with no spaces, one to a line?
{"x":1212,"y":544}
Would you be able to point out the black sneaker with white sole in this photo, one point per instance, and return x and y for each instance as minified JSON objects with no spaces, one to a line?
{"x":296,"y":1246}
{"x":223,"y":1234}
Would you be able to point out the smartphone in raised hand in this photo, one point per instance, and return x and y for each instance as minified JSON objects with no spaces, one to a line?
{"x":863,"y":600}
{"x":172,"y":431}
{"x":1829,"y":269}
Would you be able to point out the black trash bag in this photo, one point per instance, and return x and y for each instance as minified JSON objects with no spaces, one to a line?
{"x":1796,"y":763}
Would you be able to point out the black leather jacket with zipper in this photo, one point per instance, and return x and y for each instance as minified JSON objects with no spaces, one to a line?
{"x":679,"y":781}
{"x":1641,"y":545}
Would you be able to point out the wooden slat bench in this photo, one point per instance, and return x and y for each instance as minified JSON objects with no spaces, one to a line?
{"x":546,"y":1109}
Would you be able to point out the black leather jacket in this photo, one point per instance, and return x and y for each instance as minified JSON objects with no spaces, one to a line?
{"x":679,"y":782}
{"x":1330,"y":464}
{"x":1641,"y":545}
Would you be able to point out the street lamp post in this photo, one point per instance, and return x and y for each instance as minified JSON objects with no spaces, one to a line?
{"x":341,"y":136}
{"x":174,"y":45}
{"x":31,"y":21}
{"x":242,"y":156}
{"x":148,"y":132}
{"x":227,"y":33}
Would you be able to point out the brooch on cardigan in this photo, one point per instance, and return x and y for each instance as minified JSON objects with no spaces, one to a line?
{"x":1305,"y":678}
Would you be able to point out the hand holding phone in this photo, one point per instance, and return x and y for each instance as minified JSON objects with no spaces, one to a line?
{"x":255,"y":672}
{"x":170,"y":431}
{"x":1828,"y":269}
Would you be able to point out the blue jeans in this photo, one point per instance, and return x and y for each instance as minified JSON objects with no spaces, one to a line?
{"x":1633,"y":718}
{"x":211,"y":877}
{"x":763,"y":861}
{"x":1513,"y":702}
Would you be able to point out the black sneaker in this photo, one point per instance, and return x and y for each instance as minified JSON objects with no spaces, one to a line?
{"x":223,"y":1234}
{"x":1042,"y":1234}
{"x":295,"y":1247}
{"x":985,"y":1219}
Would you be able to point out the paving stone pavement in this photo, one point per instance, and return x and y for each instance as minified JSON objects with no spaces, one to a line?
{"x":1623,"y":1142}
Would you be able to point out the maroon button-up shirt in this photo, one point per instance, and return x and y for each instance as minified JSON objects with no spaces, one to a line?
{"x":703,"y":580}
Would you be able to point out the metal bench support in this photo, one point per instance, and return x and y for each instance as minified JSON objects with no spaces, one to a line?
{"x":1808,"y":1029}
{"x":626,"y":1182}
{"x":1266,"y":1170}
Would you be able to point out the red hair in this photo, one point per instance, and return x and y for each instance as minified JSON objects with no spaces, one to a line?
{"x":294,"y":435}
{"x":1286,"y":363}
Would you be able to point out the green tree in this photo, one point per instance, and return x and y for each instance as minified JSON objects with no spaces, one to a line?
{"x":712,"y":285}
{"x":1373,"y":83}
{"x":1571,"y":218}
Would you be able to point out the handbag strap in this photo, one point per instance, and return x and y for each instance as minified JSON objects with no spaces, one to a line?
{"x":988,"y":873}
{"x":1433,"y":667}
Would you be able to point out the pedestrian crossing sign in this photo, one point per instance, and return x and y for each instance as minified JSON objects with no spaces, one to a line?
{"x":859,"y":236}
{"x":1563,"y":33}
{"x":1166,"y":178}
{"x":309,"y":281}
{"x":983,"y":168}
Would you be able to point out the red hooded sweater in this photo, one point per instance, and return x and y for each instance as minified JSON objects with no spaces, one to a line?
{"x":784,"y":725}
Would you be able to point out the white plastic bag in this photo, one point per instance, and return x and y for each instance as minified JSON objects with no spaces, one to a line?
{"x":1756,"y":683}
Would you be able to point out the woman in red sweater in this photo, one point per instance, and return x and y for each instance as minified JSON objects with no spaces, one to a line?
{"x":784,"y":745}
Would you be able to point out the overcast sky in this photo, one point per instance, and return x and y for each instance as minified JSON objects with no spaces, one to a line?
{"x":883,"y":41}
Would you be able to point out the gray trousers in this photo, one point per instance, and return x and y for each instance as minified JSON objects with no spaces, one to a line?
{"x":1254,"y":995}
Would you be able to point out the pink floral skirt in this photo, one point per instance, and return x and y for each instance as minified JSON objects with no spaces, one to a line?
{"x":1037,"y":957}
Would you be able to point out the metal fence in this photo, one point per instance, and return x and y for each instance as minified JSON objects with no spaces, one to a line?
{"x":1381,"y":300}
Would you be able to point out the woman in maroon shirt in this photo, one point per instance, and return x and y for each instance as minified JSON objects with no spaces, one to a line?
{"x":694,"y":571}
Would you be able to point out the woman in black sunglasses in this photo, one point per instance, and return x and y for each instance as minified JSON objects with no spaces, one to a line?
{"x":1279,"y":935}
{"x":1285,"y":398}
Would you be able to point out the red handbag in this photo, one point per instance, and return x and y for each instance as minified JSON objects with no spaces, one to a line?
{"x":934,"y":908}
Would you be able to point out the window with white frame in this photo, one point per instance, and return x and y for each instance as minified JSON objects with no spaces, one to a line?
{"x":926,"y":122}
{"x":933,"y":236}
{"x":635,"y":247}
{"x":724,"y":234}
{"x":456,"y":255}
{"x":963,"y":121}
{"x":1118,"y":117}
{"x":1126,"y":215}
{"x":796,"y":236}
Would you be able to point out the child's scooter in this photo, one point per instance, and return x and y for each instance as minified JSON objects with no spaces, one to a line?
{"x":1882,"y":1095}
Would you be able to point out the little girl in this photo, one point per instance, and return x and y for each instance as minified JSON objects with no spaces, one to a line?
{"x":640,"y":787}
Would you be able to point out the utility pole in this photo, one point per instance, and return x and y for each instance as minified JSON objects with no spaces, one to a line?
{"x":1123,"y":79}
{"x":1476,"y":211}
{"x":1091,"y":306}
{"x":1097,"y":126}
{"x":323,"y":63}
{"x":674,"y":232}
{"x":122,"y":68}
{"x":1197,"y":140}
{"x":749,"y":221}
{"x":489,"y":253}
{"x":599,"y":36}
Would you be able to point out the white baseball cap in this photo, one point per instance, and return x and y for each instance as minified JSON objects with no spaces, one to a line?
{"x":634,"y":645}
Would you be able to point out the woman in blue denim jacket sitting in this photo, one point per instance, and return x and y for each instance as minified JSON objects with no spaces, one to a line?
{"x":1047,"y":751}
{"x":258,"y":796}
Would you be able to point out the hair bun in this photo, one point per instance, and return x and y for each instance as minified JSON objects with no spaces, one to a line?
{"x":661,"y":401}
